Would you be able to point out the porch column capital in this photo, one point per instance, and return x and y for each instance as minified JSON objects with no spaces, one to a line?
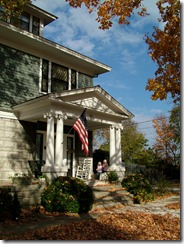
{"x":48,"y":115}
{"x":60,"y":116}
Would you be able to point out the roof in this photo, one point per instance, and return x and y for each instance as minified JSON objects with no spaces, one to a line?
{"x":102,"y":109}
{"x":40,"y":13}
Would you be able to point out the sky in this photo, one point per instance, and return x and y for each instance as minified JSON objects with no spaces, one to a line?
{"x":121,"y":47}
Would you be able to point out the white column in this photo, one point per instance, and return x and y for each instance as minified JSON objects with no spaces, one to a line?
{"x":50,"y":140}
{"x":59,"y":140}
{"x":112,"y":146}
{"x":118,"y":146}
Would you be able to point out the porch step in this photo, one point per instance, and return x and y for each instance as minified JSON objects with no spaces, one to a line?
{"x":109,"y":196}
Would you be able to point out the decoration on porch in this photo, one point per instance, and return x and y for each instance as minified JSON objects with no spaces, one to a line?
{"x":80,"y":127}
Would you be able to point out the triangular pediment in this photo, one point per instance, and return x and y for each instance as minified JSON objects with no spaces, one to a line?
{"x":93,"y":103}
{"x":94,"y":98}
{"x":102,"y":109}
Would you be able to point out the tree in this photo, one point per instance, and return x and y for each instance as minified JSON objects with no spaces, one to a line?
{"x":164,"y":49}
{"x":12,"y":8}
{"x":174,"y":121}
{"x":166,"y":145}
{"x":164,"y":46}
{"x":133,"y":144}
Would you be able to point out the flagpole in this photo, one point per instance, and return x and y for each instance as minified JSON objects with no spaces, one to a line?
{"x":67,"y":135}
{"x":68,"y":132}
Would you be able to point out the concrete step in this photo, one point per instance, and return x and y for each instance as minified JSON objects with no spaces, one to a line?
{"x":109,"y":196}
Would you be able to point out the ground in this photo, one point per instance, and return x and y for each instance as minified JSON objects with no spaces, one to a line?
{"x":100,"y":225}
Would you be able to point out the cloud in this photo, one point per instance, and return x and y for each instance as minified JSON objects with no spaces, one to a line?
{"x":75,"y":25}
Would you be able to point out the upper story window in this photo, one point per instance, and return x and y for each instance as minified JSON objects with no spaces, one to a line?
{"x":45,"y":76}
{"x":25,"y":22}
{"x":54,"y":77}
{"x":73,"y":79}
{"x":57,"y":78}
{"x":2,"y":14}
{"x":36,"y":25}
{"x":84,"y":80}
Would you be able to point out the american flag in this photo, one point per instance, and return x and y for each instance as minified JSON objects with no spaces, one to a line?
{"x":81,"y":128}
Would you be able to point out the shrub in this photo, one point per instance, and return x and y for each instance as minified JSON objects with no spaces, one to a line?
{"x":112,"y":176}
{"x":161,"y":185}
{"x":67,"y":194}
{"x":139,"y":186}
{"x":9,"y":205}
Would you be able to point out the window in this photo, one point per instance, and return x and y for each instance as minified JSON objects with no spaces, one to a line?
{"x":59,"y":78}
{"x":22,"y":22}
{"x":73,"y":79}
{"x":39,"y":146}
{"x":84,"y":80}
{"x":25,"y":22}
{"x":36,"y":26}
{"x":2,"y":14}
{"x":45,"y":72}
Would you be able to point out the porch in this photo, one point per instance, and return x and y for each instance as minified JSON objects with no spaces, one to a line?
{"x":60,"y":110}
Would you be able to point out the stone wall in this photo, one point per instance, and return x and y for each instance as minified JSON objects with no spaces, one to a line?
{"x":17,"y":147}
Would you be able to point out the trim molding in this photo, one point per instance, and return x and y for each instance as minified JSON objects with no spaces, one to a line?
{"x":7,"y":115}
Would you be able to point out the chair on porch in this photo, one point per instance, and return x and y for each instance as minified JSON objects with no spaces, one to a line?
{"x":84,"y":169}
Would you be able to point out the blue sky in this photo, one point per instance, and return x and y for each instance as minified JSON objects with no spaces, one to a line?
{"x":121,"y":47}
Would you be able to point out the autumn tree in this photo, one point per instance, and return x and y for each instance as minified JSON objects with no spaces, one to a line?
{"x":166,"y":145}
{"x":164,"y":49}
{"x":174,"y":121}
{"x":12,"y":8}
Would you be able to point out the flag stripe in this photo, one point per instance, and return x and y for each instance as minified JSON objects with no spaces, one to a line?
{"x":80,"y":127}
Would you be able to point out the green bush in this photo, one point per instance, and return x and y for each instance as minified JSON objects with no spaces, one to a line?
{"x":67,"y":194}
{"x":112,"y":176}
{"x":161,"y":185}
{"x":139,"y":186}
{"x":9,"y":205}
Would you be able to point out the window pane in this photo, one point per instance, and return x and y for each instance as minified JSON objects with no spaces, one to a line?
{"x":45,"y":69}
{"x":59,"y":78}
{"x":39,"y":146}
{"x":22,"y":22}
{"x":36,"y":26}
{"x":2,"y":14}
{"x":73,"y":79}
{"x":84,"y":81}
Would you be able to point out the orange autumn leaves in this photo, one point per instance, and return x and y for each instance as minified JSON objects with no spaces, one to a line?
{"x":164,"y":49}
{"x":107,"y":10}
{"x":164,"y":145}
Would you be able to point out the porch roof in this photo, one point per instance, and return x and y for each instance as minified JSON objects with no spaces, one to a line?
{"x":102,"y":109}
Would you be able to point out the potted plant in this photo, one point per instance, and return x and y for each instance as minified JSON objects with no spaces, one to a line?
{"x":22,"y":179}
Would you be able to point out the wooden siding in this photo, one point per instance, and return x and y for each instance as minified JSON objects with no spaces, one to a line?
{"x":19,"y":77}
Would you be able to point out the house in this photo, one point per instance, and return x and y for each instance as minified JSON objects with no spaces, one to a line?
{"x":44,"y":88}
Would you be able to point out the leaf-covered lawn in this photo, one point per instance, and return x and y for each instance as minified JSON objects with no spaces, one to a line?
{"x":110,"y":226}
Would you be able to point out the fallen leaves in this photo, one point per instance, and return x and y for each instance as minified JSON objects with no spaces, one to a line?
{"x":175,"y":205}
{"x":110,"y":226}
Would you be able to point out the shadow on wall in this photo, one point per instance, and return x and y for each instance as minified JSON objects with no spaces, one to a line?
{"x":19,"y":77}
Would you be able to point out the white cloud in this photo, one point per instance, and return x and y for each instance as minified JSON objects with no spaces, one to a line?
{"x":74,"y":25}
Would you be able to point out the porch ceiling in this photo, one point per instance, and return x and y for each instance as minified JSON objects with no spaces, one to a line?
{"x":102,"y":109}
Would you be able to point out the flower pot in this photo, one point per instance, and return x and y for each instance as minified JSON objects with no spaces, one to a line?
{"x":21,"y":180}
